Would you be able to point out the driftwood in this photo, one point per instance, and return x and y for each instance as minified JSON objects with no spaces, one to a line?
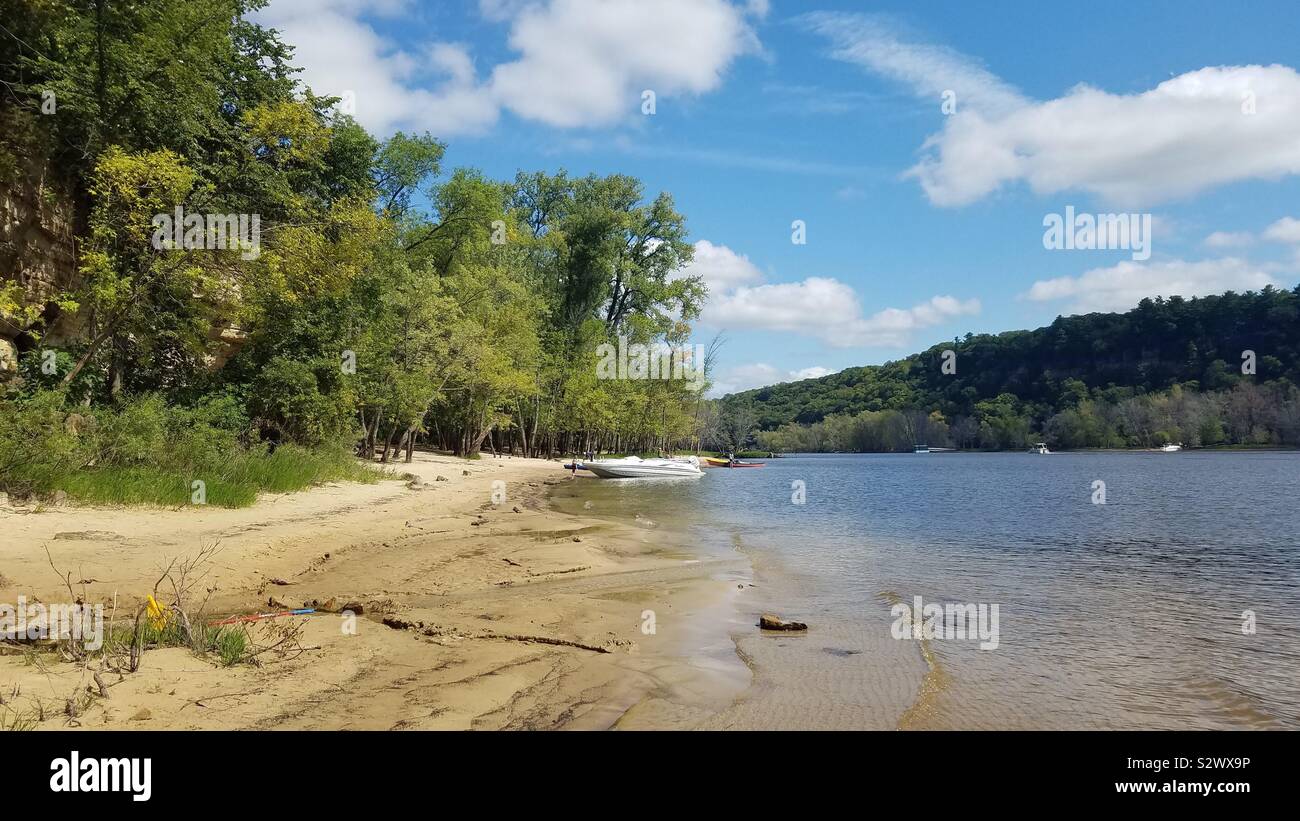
{"x":577,"y":569}
{"x":400,"y":623}
{"x":544,"y":640}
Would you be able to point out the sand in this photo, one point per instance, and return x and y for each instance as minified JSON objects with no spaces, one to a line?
{"x":475,"y":615}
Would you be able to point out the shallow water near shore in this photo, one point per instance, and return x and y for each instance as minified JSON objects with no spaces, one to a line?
{"x":1127,"y":614}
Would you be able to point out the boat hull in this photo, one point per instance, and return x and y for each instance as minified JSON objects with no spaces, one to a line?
{"x":642,"y":469}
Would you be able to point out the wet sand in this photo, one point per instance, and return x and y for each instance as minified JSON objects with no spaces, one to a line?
{"x":475,"y":615}
{"x":841,"y":674}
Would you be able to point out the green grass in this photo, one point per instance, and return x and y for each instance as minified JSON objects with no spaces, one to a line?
{"x":228,"y":643}
{"x":233,"y":483}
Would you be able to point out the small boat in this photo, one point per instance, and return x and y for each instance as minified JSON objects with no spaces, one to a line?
{"x":920,"y":448}
{"x":1039,"y":447}
{"x":634,"y":467}
{"x":715,"y":462}
{"x":1171,"y":448}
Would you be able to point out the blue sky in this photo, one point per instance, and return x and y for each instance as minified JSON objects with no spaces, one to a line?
{"x":921,"y":224}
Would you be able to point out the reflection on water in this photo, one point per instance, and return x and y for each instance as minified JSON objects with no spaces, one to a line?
{"x":1122,"y":615}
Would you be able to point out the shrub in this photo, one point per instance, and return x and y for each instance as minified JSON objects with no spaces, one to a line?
{"x":145,"y":452}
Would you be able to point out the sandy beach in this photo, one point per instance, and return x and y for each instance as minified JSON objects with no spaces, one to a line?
{"x":474,"y":614}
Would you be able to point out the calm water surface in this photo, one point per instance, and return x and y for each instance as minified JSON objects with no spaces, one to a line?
{"x":1127,"y":614}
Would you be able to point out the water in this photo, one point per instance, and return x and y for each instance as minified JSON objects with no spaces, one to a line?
{"x":1127,"y":614}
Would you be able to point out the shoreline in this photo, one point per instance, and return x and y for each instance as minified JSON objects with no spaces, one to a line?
{"x":475,"y":615}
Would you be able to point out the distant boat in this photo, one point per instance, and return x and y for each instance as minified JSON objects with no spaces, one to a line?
{"x":1171,"y":448}
{"x":920,"y":448}
{"x":1039,"y":447}
{"x":714,"y":462}
{"x":634,"y":467}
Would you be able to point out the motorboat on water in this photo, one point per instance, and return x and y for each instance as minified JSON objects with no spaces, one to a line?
{"x":1171,"y":448}
{"x":1039,"y":447}
{"x":634,"y":467}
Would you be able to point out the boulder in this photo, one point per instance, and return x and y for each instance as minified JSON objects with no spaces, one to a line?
{"x":767,"y":621}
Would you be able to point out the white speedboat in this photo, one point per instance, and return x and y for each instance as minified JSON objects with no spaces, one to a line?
{"x":634,"y":467}
{"x":1171,"y":448}
{"x":1039,"y":447}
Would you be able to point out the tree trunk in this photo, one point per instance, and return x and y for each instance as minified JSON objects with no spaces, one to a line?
{"x":411,"y":433}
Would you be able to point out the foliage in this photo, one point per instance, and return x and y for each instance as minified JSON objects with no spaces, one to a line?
{"x":145,"y":452}
{"x":390,"y":301}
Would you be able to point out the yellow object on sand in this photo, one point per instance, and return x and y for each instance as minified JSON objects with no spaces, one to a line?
{"x":158,"y":616}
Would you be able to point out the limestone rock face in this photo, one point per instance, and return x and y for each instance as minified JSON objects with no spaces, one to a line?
{"x":37,"y":250}
{"x":8,"y":359}
{"x":38,"y":226}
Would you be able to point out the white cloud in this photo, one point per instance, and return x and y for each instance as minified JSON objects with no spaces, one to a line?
{"x":810,"y":373}
{"x":1122,"y":286}
{"x":829,"y":310}
{"x":343,"y":56}
{"x":720,"y":267}
{"x":760,"y":375}
{"x":1188,"y":134}
{"x":586,"y":63}
{"x":579,"y":63}
{"x":1229,"y":239}
{"x":929,"y":70}
{"x":1286,"y":229}
{"x":820,"y":307}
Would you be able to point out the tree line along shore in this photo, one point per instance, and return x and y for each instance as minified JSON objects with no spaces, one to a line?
{"x":379,"y":302}
{"x":1216,"y":371}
